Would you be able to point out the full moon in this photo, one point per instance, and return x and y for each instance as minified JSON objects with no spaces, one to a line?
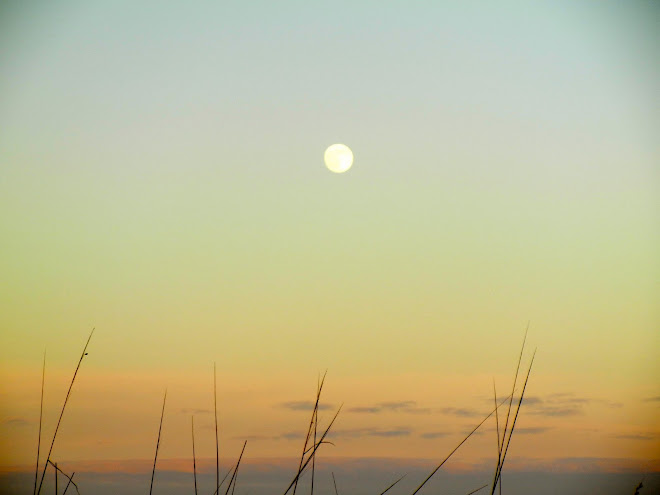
{"x":338,"y":158}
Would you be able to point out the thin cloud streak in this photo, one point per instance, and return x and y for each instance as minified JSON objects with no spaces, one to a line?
{"x":406,"y":406}
{"x":305,"y":405}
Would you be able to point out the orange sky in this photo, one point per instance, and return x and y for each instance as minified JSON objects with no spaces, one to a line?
{"x":162,"y":180}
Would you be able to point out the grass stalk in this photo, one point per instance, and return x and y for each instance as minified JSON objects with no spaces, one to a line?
{"x":70,"y":478}
{"x":316,"y":423}
{"x":160,"y":428}
{"x":192,"y":425}
{"x":233,"y":476}
{"x":478,"y":489}
{"x":215,"y":410}
{"x":312,"y":451}
{"x":319,"y":388}
{"x":515,"y":419}
{"x":508,"y":413}
{"x":497,"y":426}
{"x":392,"y":485}
{"x":66,"y":400}
{"x":334,"y":482}
{"x":41,"y":413}
{"x":457,"y":447}
{"x":217,"y":488}
{"x":66,"y":488}
{"x":55,"y":478}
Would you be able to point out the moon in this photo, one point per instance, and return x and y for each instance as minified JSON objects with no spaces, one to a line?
{"x":338,"y":158}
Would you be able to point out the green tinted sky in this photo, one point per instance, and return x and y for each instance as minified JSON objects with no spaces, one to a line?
{"x":161,"y":178}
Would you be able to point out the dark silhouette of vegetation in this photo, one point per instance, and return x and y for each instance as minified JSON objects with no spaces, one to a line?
{"x":314,"y":439}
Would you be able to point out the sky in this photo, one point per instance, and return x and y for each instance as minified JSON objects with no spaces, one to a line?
{"x":162,"y":181}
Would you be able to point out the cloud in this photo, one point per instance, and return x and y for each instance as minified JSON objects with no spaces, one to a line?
{"x":568,"y":398}
{"x":556,"y":411}
{"x":350,"y":433}
{"x":371,"y":432}
{"x":395,"y":406}
{"x":610,"y":403}
{"x":561,"y":404}
{"x":532,"y":430}
{"x":16,"y":422}
{"x":405,"y":406}
{"x":419,"y":410}
{"x":305,"y":405}
{"x":460,"y":411}
{"x":529,"y":401}
{"x":652,"y":399}
{"x":632,"y":436}
{"x":365,"y":410}
{"x":291,"y":435}
{"x":391,"y":433}
{"x":434,"y":434}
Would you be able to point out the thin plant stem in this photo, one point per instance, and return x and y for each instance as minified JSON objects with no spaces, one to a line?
{"x":313,"y":451}
{"x":70,"y":478}
{"x":55,"y":478}
{"x":233,"y":488}
{"x":309,"y":431}
{"x":334,"y":482}
{"x":478,"y":489}
{"x":316,"y":423}
{"x":513,"y":388}
{"x":160,"y":427}
{"x":217,"y":488}
{"x":457,"y":447}
{"x":508,"y":412}
{"x":513,"y":425}
{"x":192,"y":425}
{"x":497,"y":422}
{"x":215,"y":409}
{"x":392,"y":485}
{"x":68,"y":483}
{"x":497,"y":419}
{"x":233,"y":476}
{"x":41,"y":413}
{"x":66,"y":400}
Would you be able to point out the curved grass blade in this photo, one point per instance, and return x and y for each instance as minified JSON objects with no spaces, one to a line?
{"x":217,"y":489}
{"x":70,"y":478}
{"x":66,"y":488}
{"x":392,"y":485}
{"x":66,"y":400}
{"x":160,"y":427}
{"x":217,"y":448}
{"x":233,"y":476}
{"x":313,"y":452}
{"x":513,"y":425}
{"x":457,"y":447}
{"x":192,"y":423}
{"x":319,"y":388}
{"x":478,"y":489}
{"x":41,"y":413}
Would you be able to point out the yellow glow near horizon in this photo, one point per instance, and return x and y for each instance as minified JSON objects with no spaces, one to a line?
{"x":338,"y":158}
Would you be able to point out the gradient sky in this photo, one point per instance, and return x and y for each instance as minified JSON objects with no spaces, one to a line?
{"x":162,"y":180}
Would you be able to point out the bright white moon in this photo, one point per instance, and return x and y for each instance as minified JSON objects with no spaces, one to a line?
{"x":338,"y":158}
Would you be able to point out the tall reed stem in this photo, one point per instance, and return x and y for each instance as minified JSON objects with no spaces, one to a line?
{"x":217,"y":448}
{"x":66,"y":400}
{"x":160,"y":427}
{"x":192,"y":423}
{"x":41,"y":413}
